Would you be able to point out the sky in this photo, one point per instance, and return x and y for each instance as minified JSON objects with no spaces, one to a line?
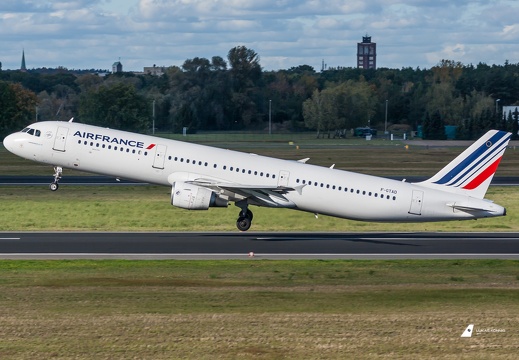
{"x":93,"y":34}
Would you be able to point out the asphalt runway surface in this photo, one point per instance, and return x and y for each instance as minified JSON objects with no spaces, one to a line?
{"x":83,"y":245}
{"x":235,"y":245}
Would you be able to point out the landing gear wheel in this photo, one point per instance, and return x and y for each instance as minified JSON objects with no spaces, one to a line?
{"x":248,"y":214}
{"x":244,"y":220}
{"x":58,"y":170}
{"x":243,"y":223}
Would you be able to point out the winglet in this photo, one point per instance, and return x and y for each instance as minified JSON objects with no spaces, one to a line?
{"x":471,"y":172}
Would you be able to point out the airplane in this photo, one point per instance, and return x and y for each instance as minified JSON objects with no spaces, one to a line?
{"x":201,"y":176}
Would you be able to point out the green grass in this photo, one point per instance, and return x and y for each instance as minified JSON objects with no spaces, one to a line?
{"x":254,"y":309}
{"x":257,"y":309}
{"x":147,"y":208}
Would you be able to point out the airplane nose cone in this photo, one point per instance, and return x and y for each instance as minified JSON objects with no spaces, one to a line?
{"x":13,"y":143}
{"x":8,"y":142}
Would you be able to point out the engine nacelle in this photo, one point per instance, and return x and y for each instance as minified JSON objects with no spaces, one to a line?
{"x":193,"y":197}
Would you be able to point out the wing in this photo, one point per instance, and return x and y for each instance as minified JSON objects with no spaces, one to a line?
{"x":271,"y":196}
{"x":261,"y":195}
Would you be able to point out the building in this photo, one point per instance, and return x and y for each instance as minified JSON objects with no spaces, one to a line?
{"x":117,"y":67}
{"x":366,"y":54}
{"x":23,"y":67}
{"x":154,"y":70}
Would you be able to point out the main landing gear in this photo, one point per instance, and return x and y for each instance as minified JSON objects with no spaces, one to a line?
{"x":244,"y":219}
{"x":58,"y":170}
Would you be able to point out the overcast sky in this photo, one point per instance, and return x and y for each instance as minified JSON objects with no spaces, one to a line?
{"x":85,"y":34}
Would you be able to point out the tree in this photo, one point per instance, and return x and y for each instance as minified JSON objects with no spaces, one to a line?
{"x":118,"y":106}
{"x":434,"y":127}
{"x":245,"y":74}
{"x":245,"y":68}
{"x":17,"y":107}
{"x":315,"y":112}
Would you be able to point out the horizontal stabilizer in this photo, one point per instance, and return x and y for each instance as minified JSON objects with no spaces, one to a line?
{"x":469,"y":208}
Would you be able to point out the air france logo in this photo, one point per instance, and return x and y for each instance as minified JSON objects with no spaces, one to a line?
{"x":113,"y":140}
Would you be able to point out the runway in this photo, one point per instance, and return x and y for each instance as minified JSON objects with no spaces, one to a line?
{"x":195,"y":246}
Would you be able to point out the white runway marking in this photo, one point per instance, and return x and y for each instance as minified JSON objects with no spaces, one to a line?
{"x":258,"y":256}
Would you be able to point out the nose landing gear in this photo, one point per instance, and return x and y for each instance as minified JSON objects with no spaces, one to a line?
{"x":58,"y":170}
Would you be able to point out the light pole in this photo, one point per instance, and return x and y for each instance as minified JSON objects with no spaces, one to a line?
{"x":385,"y":122}
{"x":270,"y":117}
{"x":153,"y":130}
{"x":497,"y":104}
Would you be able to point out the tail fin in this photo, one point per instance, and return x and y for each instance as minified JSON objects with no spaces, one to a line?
{"x":471,"y":172}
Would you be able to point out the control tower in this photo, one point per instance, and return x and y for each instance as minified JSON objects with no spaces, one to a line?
{"x":366,"y":54}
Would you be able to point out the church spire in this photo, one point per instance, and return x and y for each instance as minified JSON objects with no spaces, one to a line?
{"x":23,"y":67}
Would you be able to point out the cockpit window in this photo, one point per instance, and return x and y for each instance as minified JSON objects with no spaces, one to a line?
{"x":31,"y":131}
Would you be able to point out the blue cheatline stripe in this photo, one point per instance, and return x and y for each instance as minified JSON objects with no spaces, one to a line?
{"x":489,"y":157}
{"x":471,"y":158}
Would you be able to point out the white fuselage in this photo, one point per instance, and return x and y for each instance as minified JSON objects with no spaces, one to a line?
{"x":320,"y":190}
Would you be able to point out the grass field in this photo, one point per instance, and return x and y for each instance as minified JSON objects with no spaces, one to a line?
{"x":147,"y":208}
{"x":253,"y":309}
{"x":258,"y":309}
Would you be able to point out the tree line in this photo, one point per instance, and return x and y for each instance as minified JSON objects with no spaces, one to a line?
{"x":237,"y":94}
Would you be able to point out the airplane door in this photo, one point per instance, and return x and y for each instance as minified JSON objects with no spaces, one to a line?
{"x":283,"y":178}
{"x":416,"y":203}
{"x":61,"y":139}
{"x":160,"y":156}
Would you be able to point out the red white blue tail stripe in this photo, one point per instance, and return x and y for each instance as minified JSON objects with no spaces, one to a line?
{"x":474,"y":168}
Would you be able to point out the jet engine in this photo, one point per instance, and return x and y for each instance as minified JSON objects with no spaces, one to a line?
{"x":193,"y":197}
